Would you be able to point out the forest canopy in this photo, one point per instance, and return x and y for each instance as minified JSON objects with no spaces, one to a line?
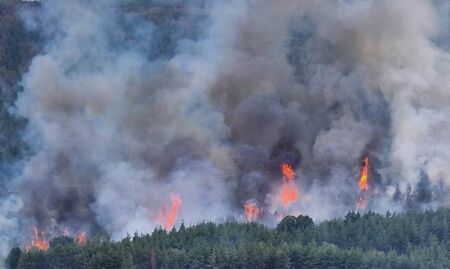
{"x":402,"y":241}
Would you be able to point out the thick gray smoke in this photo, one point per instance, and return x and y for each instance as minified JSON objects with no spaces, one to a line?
{"x":119,"y":121}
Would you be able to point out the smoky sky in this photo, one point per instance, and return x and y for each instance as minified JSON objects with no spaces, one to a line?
{"x":206,"y":99}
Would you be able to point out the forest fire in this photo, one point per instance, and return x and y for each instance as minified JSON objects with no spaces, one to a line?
{"x":289,"y":190}
{"x":38,"y":242}
{"x":288,"y":171}
{"x":363,"y":184}
{"x":167,"y":215}
{"x":251,"y":211}
{"x":364,"y":177}
{"x":81,"y":238}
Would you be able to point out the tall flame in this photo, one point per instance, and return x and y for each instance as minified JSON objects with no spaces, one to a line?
{"x":289,"y":191}
{"x":251,"y":211}
{"x":364,"y":177}
{"x":363,"y":184}
{"x":39,"y":241}
{"x":167,"y":215}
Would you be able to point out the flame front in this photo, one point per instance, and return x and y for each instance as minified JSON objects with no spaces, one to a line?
{"x":167,"y":215}
{"x":289,"y":191}
{"x":251,"y":211}
{"x":363,"y":184}
{"x":39,"y":241}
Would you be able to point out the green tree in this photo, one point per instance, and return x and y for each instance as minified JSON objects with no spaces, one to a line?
{"x":12,"y":260}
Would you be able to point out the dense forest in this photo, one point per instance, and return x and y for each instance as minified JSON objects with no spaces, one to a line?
{"x":408,"y":240}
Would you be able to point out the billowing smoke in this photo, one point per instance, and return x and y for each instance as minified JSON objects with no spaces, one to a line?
{"x":208,"y":103}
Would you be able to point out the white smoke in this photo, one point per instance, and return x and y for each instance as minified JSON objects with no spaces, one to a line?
{"x":318,"y":84}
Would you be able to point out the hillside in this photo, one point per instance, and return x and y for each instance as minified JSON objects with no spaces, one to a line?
{"x":206,"y":123}
{"x":409,"y":240}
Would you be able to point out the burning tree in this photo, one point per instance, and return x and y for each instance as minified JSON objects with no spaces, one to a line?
{"x":363,"y":184}
{"x":251,"y":211}
{"x":289,"y":192}
{"x":167,"y":215}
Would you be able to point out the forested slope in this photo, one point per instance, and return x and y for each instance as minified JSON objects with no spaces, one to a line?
{"x":409,"y":240}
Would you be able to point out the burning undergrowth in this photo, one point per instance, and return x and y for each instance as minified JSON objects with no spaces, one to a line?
{"x":250,"y":109}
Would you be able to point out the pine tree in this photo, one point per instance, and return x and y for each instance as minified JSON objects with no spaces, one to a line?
{"x":12,"y":260}
{"x":127,"y":262}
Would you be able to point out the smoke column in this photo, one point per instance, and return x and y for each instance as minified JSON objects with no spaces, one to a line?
{"x":118,"y":121}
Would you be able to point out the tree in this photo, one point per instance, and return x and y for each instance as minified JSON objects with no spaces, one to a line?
{"x":290,"y":224}
{"x":127,"y":262}
{"x":13,"y":258}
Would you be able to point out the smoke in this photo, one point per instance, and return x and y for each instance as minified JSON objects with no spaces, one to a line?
{"x":123,"y":111}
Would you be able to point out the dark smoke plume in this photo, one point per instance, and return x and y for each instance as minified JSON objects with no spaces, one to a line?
{"x":211,"y":97}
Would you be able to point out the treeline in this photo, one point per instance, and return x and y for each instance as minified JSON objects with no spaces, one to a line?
{"x":397,"y":241}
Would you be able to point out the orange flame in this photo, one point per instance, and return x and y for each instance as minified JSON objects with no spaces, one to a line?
{"x":251,"y":211}
{"x":288,"y":172}
{"x":289,"y":191}
{"x":39,"y":241}
{"x":364,"y":178}
{"x":363,"y":184}
{"x":81,"y":238}
{"x":289,"y":194}
{"x":167,"y":216}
